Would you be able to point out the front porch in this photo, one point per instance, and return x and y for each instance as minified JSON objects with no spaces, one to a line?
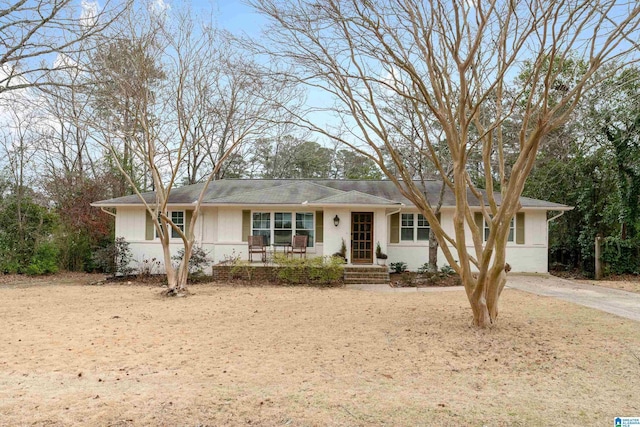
{"x":264,"y":272}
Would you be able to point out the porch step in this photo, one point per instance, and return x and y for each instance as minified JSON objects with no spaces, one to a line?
{"x":366,"y":275}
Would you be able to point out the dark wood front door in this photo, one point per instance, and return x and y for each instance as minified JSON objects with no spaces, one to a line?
{"x":362,"y":237}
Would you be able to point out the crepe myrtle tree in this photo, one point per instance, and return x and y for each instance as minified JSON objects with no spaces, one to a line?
{"x":172,"y":115}
{"x":453,"y":61}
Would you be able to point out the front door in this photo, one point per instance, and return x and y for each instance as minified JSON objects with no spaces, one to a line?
{"x":362,"y":237}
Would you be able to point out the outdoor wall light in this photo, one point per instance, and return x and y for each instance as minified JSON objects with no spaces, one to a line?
{"x":336,"y":220}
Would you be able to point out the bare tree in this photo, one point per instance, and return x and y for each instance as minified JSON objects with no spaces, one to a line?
{"x":454,"y":61}
{"x":35,"y":33}
{"x":168,"y":121}
{"x":230,"y":98}
{"x":18,"y":142}
{"x":66,"y":150}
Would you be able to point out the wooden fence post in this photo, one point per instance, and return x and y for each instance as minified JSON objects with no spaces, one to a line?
{"x":598,"y":260}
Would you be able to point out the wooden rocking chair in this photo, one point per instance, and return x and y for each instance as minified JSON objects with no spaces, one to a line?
{"x":257,"y":246}
{"x":299,"y":246}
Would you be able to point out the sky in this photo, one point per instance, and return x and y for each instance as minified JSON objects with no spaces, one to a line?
{"x":239,"y":18}
{"x":236,"y":16}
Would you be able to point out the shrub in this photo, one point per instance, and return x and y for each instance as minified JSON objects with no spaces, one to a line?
{"x":398,"y":267}
{"x":318,"y":270}
{"x":621,"y":256}
{"x":148,"y":267}
{"x":44,"y":260}
{"x":115,"y":258}
{"x":447,"y":270}
{"x":241,"y":268}
{"x":8,"y":265}
{"x":326,"y":270}
{"x":198,"y":262}
{"x":75,"y":250}
{"x":424,"y":268}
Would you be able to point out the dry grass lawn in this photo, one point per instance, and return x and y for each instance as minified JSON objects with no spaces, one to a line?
{"x":119,"y":355}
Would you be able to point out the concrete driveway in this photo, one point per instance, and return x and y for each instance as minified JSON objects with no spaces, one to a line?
{"x":622,"y":303}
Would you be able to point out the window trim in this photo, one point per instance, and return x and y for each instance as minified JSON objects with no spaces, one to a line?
{"x":171,"y":230}
{"x":294,"y":229}
{"x":512,"y":230}
{"x":415,"y":221}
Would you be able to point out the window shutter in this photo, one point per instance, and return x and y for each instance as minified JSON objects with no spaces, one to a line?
{"x":520,"y":228}
{"x":319,"y":226}
{"x":149,"y":229}
{"x":395,"y":228}
{"x":479,"y":219}
{"x":187,"y":221}
{"x":246,"y":225}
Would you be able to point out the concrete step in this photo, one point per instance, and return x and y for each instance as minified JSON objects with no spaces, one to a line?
{"x":368,"y":274}
{"x":366,"y":282}
{"x":369,"y":268}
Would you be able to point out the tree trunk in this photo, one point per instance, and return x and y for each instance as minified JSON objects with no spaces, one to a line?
{"x":485,"y":303}
{"x":433,"y":252}
{"x":481,"y":315}
{"x":177,"y":278}
{"x":172,"y":277}
{"x":183,"y":270}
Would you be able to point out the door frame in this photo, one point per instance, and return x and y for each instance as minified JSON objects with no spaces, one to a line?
{"x":355,"y":260}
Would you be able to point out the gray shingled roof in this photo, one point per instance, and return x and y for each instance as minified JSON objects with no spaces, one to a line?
{"x":354,"y":197}
{"x":312,"y":191}
{"x":288,"y":193}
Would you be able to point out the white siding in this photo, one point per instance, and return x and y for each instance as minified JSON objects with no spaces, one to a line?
{"x":415,"y":254}
{"x":333,"y":235}
{"x":229,"y":225}
{"x":130,"y":223}
{"x":208,"y":225}
{"x":530,"y":257}
{"x":219,"y":232}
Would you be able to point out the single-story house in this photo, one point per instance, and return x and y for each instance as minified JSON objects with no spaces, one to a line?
{"x":362,"y":212}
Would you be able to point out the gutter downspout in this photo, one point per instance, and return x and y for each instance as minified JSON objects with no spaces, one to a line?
{"x":394,"y":212}
{"x":102,"y":208}
{"x":555,"y":217}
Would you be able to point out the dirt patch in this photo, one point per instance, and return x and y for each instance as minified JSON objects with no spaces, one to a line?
{"x":423,"y":280}
{"x":22,"y":280}
{"x":123,"y":355}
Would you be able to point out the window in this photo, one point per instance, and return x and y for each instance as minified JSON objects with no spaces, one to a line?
{"x":406,"y":227}
{"x":283,"y":227}
{"x":304,"y":226}
{"x":414,"y":227}
{"x":262,"y":226}
{"x":177,"y":217}
{"x":512,"y":231}
{"x":423,"y":228}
